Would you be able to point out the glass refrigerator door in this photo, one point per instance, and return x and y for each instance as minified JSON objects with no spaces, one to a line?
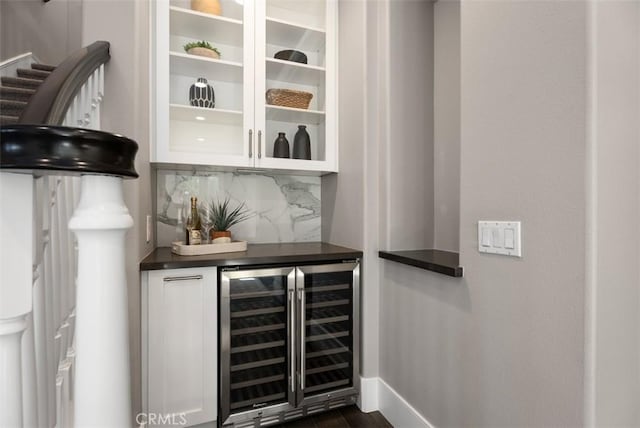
{"x":328,"y":344}
{"x":257,"y":353}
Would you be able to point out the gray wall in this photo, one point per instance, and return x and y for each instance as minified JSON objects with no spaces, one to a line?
{"x":125,"y":110}
{"x":343,"y":194}
{"x":50,"y":30}
{"x":523,"y":158}
{"x":615,"y":315}
{"x":505,"y":345}
{"x":446,"y":125}
{"x":408,"y":156}
{"x":346,"y":203}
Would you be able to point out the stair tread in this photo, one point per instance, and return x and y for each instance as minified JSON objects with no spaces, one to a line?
{"x":21,"y":82}
{"x":16,"y":94}
{"x":33,"y":74}
{"x":43,"y":67}
{"x":17,"y":90}
{"x":12,"y":108}
{"x":14,"y":103}
{"x":8,"y":120}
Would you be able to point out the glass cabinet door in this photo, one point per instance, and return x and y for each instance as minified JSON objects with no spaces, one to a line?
{"x":295,"y":59}
{"x":210,"y":94}
{"x":257,"y":355}
{"x":328,"y":344}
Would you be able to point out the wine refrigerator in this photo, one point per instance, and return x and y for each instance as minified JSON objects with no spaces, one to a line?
{"x":289,"y":342}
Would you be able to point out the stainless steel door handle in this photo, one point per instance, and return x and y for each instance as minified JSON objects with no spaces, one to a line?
{"x":292,"y":327}
{"x":251,"y":143}
{"x":302,"y":316}
{"x":259,"y":144}
{"x":181,"y":278}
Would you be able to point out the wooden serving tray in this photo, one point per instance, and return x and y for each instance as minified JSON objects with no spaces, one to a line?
{"x":181,"y":249}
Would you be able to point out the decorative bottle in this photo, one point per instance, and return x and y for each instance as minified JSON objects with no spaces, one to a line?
{"x":195,"y":236}
{"x":302,"y":144}
{"x":201,"y":94}
{"x":281,"y":146}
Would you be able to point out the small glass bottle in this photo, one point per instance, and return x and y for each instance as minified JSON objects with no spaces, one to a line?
{"x":195,"y":236}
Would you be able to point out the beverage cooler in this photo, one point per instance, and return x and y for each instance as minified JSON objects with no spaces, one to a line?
{"x":289,"y":342}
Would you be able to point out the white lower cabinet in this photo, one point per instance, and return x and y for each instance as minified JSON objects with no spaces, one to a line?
{"x":179,"y":347}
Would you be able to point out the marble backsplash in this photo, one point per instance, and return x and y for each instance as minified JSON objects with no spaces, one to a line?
{"x":284,"y":208}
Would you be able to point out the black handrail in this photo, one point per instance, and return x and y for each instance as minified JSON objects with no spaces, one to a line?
{"x":61,"y":150}
{"x":49,"y":105}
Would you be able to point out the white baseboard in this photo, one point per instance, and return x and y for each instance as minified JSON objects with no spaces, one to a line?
{"x":368,"y":399}
{"x":375,"y":394}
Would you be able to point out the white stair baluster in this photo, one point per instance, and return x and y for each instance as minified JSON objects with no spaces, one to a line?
{"x":40,"y":351}
{"x":29,"y":381}
{"x":50,"y":329}
{"x":60,"y":416}
{"x":29,"y":392}
{"x":39,"y":302}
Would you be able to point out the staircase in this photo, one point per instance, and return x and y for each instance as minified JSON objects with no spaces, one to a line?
{"x":63,"y":360}
{"x":15,"y":92}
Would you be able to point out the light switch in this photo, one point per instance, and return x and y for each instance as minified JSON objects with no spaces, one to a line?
{"x":500,"y":237}
{"x":509,"y":238}
{"x":497,"y":237}
{"x":486,"y":237}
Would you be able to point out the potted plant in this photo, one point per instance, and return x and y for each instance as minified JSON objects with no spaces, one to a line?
{"x":222,"y":217}
{"x":202,"y":48}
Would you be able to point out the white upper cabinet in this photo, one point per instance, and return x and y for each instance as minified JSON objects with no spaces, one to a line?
{"x":239,"y":132}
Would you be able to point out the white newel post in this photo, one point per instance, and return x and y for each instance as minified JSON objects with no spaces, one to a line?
{"x":16,"y":281}
{"x":102,"y":388}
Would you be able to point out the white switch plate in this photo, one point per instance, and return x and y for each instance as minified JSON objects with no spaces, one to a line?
{"x":500,"y":237}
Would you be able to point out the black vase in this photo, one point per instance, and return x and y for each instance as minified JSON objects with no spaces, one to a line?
{"x":302,"y":144}
{"x":281,"y":146}
{"x":201,"y":94}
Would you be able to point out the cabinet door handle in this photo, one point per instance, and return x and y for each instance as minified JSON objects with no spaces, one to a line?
{"x":251,"y":143}
{"x":259,"y":144}
{"x":182,"y":278}
{"x":292,"y":320}
{"x":302,"y":315}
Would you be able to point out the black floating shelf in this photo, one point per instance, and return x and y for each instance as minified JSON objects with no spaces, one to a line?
{"x":444,"y":262}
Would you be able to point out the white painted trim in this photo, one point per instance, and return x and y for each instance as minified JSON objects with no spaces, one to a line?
{"x":376,"y":394}
{"x":9,"y":67}
{"x":397,"y":410}
{"x":368,"y":399}
{"x":16,"y":59}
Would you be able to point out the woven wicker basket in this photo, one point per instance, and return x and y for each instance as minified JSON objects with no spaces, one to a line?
{"x":289,"y":98}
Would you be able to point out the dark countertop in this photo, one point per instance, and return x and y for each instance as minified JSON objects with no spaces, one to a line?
{"x":444,"y":262}
{"x":256,"y":254}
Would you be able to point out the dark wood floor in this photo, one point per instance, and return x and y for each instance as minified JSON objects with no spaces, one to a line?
{"x":345,"y":417}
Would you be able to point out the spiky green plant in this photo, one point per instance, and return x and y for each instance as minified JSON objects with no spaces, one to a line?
{"x":223,"y":217}
{"x":200,"y":44}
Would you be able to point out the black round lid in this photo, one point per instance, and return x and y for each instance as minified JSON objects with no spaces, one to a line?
{"x":63,"y":150}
